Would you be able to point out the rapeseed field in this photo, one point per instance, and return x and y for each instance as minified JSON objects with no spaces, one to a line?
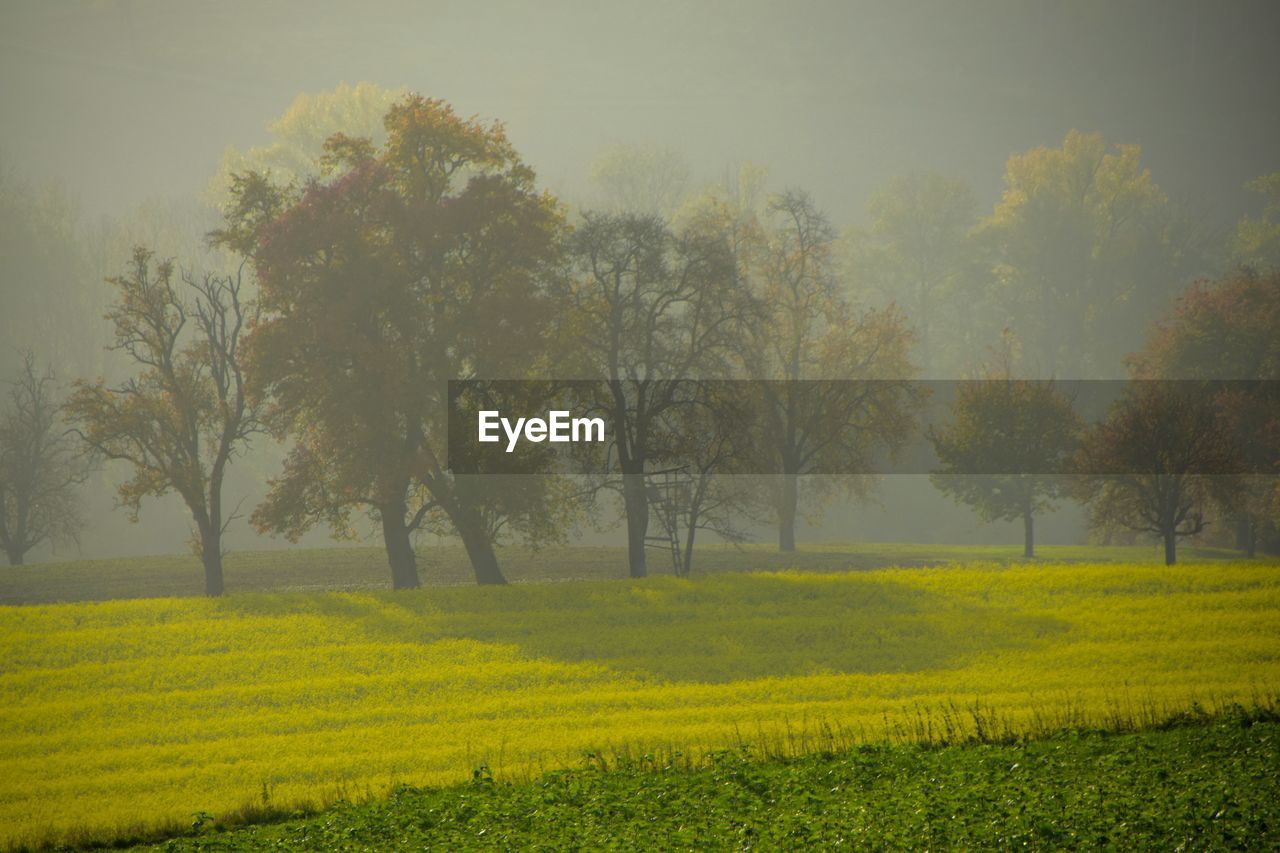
{"x":122,"y":715}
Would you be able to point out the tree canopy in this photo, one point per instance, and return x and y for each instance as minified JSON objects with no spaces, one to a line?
{"x":1006,"y":451}
{"x":1227,"y":329}
{"x":1087,"y":248}
{"x":1158,"y":462}
{"x":429,"y":258}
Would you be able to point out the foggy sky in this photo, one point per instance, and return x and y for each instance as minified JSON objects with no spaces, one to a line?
{"x":131,"y":100}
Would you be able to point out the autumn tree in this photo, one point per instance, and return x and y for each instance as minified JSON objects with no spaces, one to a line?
{"x":298,"y":136}
{"x":50,"y":299}
{"x":1227,"y":329}
{"x":185,"y":415}
{"x":1088,"y":248}
{"x":836,"y":387}
{"x":1158,"y":462}
{"x":918,"y":252}
{"x":642,"y":180}
{"x":40,"y":468}
{"x":170,"y":227}
{"x":1256,"y":242}
{"x":431,"y":257}
{"x":652,"y":310}
{"x":1007,"y":447}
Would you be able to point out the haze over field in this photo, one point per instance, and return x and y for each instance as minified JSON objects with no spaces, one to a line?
{"x":123,"y":122}
{"x":712,"y":424}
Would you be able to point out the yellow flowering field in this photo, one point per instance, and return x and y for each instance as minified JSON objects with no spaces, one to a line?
{"x":119,"y":715}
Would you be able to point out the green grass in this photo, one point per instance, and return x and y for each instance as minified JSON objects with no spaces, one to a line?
{"x":299,"y":570}
{"x":1209,"y":785}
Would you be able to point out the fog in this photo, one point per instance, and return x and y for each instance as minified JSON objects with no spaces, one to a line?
{"x":117,"y":118}
{"x":124,"y":102}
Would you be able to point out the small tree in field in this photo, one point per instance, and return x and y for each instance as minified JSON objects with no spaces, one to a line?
{"x":1227,"y":329}
{"x":184,"y":416}
{"x":713,"y":438}
{"x":1157,"y":462}
{"x":1005,"y":450}
{"x":39,"y":468}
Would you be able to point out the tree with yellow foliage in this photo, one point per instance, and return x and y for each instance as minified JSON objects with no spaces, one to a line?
{"x":298,"y":136}
{"x":1090,"y":251}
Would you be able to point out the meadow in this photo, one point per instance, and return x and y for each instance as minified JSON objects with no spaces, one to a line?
{"x":365,"y":568}
{"x":119,"y":718}
{"x":1201,"y":784}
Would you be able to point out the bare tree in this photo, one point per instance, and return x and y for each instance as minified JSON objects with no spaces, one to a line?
{"x":183,"y":418}
{"x":712,"y":438}
{"x":653,"y":310}
{"x":40,"y":469}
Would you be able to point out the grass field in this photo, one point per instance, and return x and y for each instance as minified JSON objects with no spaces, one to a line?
{"x":331,"y":569}
{"x":123,"y":715}
{"x":1210,"y":785}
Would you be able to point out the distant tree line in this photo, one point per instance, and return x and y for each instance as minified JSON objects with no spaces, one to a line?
{"x":385,"y":260}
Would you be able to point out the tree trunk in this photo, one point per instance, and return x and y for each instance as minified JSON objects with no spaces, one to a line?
{"x":209,"y":528}
{"x":922,"y":330}
{"x":637,"y":506}
{"x":484,"y":561}
{"x":1170,"y":547}
{"x":1242,"y":531}
{"x":211,"y":556}
{"x":1251,"y":538}
{"x":15,"y":556}
{"x":787,"y":514}
{"x":688,"y":545}
{"x":395,"y":536}
{"x":1028,"y":533}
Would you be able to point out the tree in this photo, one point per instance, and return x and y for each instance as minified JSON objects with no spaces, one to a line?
{"x":40,"y":470}
{"x":1257,"y":241}
{"x":652,"y":310}
{"x":175,"y":227}
{"x":299,"y":135}
{"x":711,"y":438}
{"x":646,"y":181}
{"x":1006,"y":448}
{"x":182,"y":419}
{"x":48,"y":296}
{"x":1227,"y":330}
{"x":430,"y":258}
{"x":836,"y":385}
{"x":1089,"y":248}
{"x":1158,"y":461}
{"x":919,"y":253}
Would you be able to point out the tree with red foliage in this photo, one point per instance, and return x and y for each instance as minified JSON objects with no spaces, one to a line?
{"x":1158,"y":461}
{"x":426,"y":260}
{"x":1229,"y":330}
